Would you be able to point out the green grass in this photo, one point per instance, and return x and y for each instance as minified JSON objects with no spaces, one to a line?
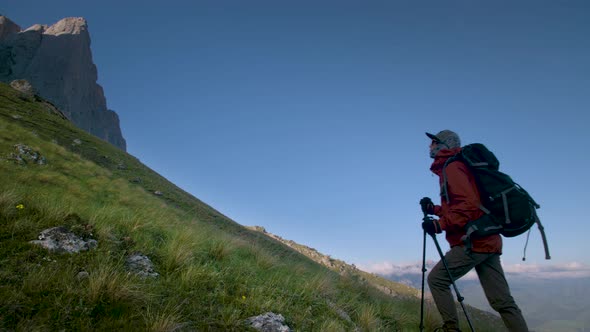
{"x":214,"y":273}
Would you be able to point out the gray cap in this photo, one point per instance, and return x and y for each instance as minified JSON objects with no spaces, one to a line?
{"x":446,"y":137}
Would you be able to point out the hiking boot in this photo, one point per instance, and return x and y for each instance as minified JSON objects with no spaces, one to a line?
{"x":448,"y":328}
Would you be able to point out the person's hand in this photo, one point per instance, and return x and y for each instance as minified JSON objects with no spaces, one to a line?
{"x":431,"y":226}
{"x":427,"y":205}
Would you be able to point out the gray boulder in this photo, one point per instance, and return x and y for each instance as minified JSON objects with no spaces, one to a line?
{"x":60,"y":239}
{"x":269,"y":322}
{"x":141,"y":265}
{"x":25,"y":154}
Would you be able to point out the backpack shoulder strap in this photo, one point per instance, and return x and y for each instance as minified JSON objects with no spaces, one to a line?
{"x":444,"y":187}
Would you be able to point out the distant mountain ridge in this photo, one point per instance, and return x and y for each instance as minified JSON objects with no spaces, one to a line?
{"x":57,"y":61}
{"x":548,"y":303}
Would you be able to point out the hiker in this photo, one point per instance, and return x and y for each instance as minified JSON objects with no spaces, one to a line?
{"x":483,"y":255}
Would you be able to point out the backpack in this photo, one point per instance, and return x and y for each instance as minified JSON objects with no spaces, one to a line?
{"x":509,"y":209}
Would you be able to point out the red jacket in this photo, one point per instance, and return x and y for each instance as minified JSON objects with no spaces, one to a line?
{"x":463,"y":205}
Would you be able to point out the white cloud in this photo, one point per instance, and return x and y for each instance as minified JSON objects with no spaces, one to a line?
{"x":390,"y":268}
{"x":553,"y":271}
{"x":545,"y":271}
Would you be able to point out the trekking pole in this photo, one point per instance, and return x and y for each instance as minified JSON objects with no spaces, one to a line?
{"x":423,"y":272}
{"x":459,"y":297}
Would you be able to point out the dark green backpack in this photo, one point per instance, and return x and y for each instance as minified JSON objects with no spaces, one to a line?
{"x":509,"y":209}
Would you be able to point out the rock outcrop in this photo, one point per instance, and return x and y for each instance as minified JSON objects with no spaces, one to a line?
{"x":25,"y":154}
{"x":61,"y":240}
{"x":141,"y":265}
{"x":24,"y":87}
{"x":7,"y":27}
{"x":268,"y":322}
{"x":57,"y":61}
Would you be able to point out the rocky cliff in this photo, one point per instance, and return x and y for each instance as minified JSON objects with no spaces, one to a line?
{"x":57,"y":61}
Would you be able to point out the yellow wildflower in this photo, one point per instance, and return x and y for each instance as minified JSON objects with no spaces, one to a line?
{"x":20,"y":207}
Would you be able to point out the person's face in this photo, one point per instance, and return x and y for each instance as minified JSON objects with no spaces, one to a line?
{"x":433,"y":146}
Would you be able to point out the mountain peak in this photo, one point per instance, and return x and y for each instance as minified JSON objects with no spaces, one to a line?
{"x":7,"y":27}
{"x":68,"y":25}
{"x":57,"y":61}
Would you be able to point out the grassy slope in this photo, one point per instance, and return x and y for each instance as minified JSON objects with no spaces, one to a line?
{"x":214,"y":273}
{"x":389,"y":287}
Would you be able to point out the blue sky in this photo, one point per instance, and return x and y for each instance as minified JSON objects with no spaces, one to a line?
{"x":308,"y":117}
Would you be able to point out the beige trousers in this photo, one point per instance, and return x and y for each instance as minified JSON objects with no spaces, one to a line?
{"x":492,"y":279}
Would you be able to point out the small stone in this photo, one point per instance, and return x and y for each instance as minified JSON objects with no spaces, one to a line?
{"x":91,"y":244}
{"x":141,"y":265}
{"x":25,"y":154}
{"x":268,"y":322}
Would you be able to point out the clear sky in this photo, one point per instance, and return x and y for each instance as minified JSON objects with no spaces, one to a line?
{"x":308,"y":117}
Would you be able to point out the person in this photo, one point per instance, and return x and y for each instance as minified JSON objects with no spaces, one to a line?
{"x":460,"y":203}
